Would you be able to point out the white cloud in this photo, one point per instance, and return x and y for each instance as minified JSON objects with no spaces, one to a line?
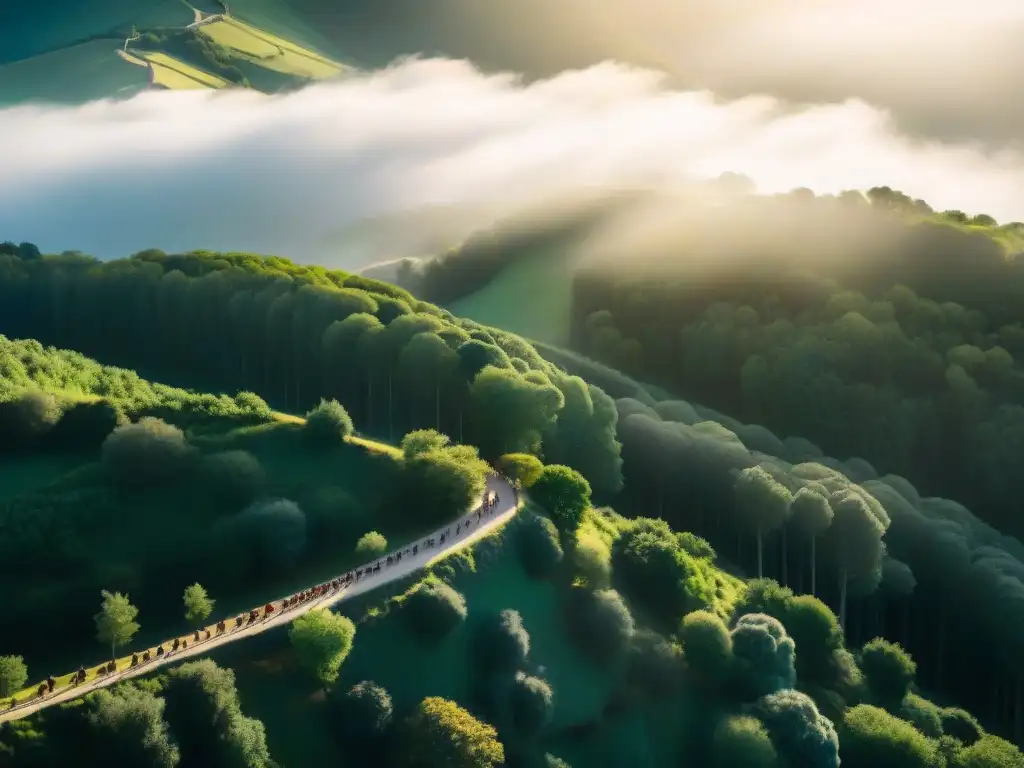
{"x":236,"y":170}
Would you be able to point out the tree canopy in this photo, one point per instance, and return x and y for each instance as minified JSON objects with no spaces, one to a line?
{"x":115,"y":623}
{"x":198,"y":604}
{"x":444,"y":735}
{"x":322,"y":640}
{"x":565,"y":494}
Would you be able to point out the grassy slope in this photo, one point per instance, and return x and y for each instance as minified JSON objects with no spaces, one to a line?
{"x":531,"y":297}
{"x":175,"y":74}
{"x":266,"y":36}
{"x":268,"y":50}
{"x":32,"y":28}
{"x":72,"y":75}
{"x":277,"y":18}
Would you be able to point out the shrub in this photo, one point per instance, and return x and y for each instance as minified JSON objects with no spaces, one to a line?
{"x":252,"y":403}
{"x":433,"y":609}
{"x":444,"y":735}
{"x":440,"y":484}
{"x":26,"y":419}
{"x":322,"y":640}
{"x":147,"y":452}
{"x":695,"y":546}
{"x":84,"y":426}
{"x":565,"y":495}
{"x":275,"y":529}
{"x":961,"y":725}
{"x":502,"y":643}
{"x":532,"y":703}
{"x":801,"y":734}
{"x":707,"y":646}
{"x":922,"y":714}
{"x":600,"y":622}
{"x":422,"y":441}
{"x":13,"y":675}
{"x":655,"y":665}
{"x":523,"y":469}
{"x":871,"y":736}
{"x":888,"y":669}
{"x":205,"y":715}
{"x":328,"y":424}
{"x":371,"y":545}
{"x":592,"y":561}
{"x":740,"y":741}
{"x":652,"y":568}
{"x":989,"y":752}
{"x":539,"y":547}
{"x":363,"y":714}
{"x":766,"y":654}
{"x":234,"y":478}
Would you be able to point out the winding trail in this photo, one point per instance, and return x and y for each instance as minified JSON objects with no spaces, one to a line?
{"x":470,"y":531}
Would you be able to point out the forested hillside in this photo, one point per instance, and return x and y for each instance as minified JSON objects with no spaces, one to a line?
{"x":874,"y":340}
{"x":110,"y":482}
{"x":295,"y":334}
{"x":921,"y":571}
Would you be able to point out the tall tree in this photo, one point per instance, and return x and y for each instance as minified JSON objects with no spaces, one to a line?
{"x":13,"y":675}
{"x":115,"y":623}
{"x":762,"y":504}
{"x":811,"y":512}
{"x":198,"y":604}
{"x":856,"y":541}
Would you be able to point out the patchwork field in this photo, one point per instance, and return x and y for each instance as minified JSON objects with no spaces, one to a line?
{"x":175,"y":74}
{"x":74,"y":75}
{"x":278,"y":18}
{"x":75,"y":59}
{"x":270,"y":51}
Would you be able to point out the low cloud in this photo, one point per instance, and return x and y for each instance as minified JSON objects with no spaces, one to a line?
{"x":285,"y":174}
{"x":945,"y":69}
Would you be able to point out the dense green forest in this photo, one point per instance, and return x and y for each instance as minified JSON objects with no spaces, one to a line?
{"x":229,"y":322}
{"x":542,"y":647}
{"x":878,"y":329}
{"x":921,"y":571}
{"x":897,"y":346}
{"x":110,"y":482}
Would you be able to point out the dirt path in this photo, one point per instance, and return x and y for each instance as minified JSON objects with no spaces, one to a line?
{"x":471,"y":530}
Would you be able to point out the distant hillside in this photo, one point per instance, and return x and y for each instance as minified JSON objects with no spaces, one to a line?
{"x":117,"y":48}
{"x":519,"y":273}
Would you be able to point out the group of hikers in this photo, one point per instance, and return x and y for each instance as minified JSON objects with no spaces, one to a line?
{"x":313,"y":594}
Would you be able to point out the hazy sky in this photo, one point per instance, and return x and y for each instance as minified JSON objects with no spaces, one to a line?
{"x":927,"y":101}
{"x":945,"y":68}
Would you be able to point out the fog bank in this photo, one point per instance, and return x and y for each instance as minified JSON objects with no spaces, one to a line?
{"x":286,"y":174}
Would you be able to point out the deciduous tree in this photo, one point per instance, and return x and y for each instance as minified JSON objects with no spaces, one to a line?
{"x":115,"y":623}
{"x":322,"y":640}
{"x":198,"y":604}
